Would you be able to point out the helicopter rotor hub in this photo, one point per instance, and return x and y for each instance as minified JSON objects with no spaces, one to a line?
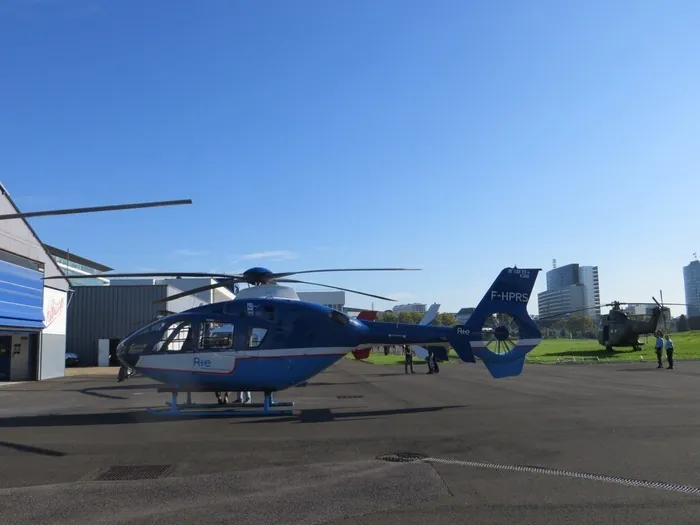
{"x":500,"y":333}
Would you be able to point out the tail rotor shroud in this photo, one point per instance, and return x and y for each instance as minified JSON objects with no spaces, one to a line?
{"x":501,"y":332}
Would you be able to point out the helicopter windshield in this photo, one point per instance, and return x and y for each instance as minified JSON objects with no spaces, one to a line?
{"x":178,"y":335}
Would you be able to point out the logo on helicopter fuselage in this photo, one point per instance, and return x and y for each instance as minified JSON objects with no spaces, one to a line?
{"x":518,"y":297}
{"x":201,"y":363}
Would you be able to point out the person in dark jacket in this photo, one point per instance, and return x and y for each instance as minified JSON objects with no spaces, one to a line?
{"x":408,"y":353}
{"x":669,"y":351}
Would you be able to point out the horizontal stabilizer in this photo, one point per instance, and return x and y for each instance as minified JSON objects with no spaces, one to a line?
{"x":430,"y":315}
{"x":440,"y":351}
{"x":367,"y":315}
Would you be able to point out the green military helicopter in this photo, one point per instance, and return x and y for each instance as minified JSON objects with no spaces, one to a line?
{"x":618,"y":329}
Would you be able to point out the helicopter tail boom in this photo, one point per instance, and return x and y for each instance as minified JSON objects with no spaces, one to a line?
{"x":500,"y":332}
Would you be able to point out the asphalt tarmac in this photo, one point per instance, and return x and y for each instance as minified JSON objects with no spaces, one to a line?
{"x":561,"y":443}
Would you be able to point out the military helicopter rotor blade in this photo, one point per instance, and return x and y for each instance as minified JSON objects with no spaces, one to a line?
{"x":570,"y":312}
{"x":93,"y":209}
{"x":663,"y":310}
{"x":335,"y":288}
{"x":656,"y":303}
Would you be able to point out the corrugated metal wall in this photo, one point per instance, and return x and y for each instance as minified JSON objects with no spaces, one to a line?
{"x":108,"y":312}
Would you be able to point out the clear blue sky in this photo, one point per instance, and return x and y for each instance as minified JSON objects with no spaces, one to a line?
{"x":458,"y":137}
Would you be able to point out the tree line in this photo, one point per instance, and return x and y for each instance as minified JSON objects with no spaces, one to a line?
{"x":578,"y":326}
{"x":442,"y":319}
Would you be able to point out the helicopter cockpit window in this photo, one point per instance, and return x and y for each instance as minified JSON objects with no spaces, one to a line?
{"x":256,"y":336}
{"x":177,"y":337}
{"x":214,"y":335}
{"x":339,"y":317}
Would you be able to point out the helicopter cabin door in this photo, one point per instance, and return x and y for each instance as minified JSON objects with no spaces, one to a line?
{"x":215,"y":348}
{"x":606,"y":333}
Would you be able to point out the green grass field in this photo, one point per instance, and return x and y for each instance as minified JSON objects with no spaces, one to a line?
{"x":687,"y":346}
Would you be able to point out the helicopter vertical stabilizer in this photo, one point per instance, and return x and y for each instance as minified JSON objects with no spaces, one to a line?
{"x":500,"y":332}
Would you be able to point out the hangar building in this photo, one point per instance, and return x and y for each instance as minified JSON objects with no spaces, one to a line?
{"x":114,"y":311}
{"x":32,"y":313}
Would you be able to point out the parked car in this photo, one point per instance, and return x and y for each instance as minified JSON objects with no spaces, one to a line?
{"x":72,"y":359}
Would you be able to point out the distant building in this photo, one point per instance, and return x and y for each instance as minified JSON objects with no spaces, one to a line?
{"x":335,"y":300}
{"x":72,"y":264}
{"x":558,"y":302}
{"x":691,"y":280}
{"x":560,"y":278}
{"x":588,"y":276}
{"x":413,"y":307}
{"x":464,"y":314}
{"x":571,"y":287}
{"x":644,"y":310}
{"x":215,"y":295}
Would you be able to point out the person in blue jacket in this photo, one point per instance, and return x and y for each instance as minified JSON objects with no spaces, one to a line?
{"x":659,"y":348}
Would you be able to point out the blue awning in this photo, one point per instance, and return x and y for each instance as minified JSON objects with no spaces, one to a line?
{"x":21,"y":297}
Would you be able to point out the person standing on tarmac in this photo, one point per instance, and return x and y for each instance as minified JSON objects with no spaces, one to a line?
{"x":408,"y":353}
{"x":431,"y":360}
{"x":659,"y":349}
{"x":669,"y":351}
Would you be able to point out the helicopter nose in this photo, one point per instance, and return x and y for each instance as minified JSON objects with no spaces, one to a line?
{"x":125,"y":357}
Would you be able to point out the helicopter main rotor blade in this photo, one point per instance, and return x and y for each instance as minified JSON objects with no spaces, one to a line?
{"x":658,"y":304}
{"x":199,"y":289}
{"x":147,"y":274}
{"x":287,"y":274}
{"x":93,"y":209}
{"x":336,"y":288}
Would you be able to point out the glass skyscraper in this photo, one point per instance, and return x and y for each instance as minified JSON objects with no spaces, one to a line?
{"x":691,"y":280}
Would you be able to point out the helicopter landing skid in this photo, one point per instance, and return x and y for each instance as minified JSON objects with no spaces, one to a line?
{"x":184,"y":409}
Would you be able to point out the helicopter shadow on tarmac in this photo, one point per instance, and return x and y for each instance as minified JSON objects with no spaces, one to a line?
{"x":592,"y":353}
{"x":327,"y":415}
{"x":141,"y":416}
{"x":97,"y":391}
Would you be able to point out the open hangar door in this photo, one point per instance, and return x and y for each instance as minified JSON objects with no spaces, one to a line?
{"x":21,"y":317}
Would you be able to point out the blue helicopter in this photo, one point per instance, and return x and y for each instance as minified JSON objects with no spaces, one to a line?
{"x":267,"y":340}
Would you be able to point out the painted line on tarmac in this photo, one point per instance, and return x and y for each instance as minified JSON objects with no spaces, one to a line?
{"x":658,"y":485}
{"x":409,"y":457}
